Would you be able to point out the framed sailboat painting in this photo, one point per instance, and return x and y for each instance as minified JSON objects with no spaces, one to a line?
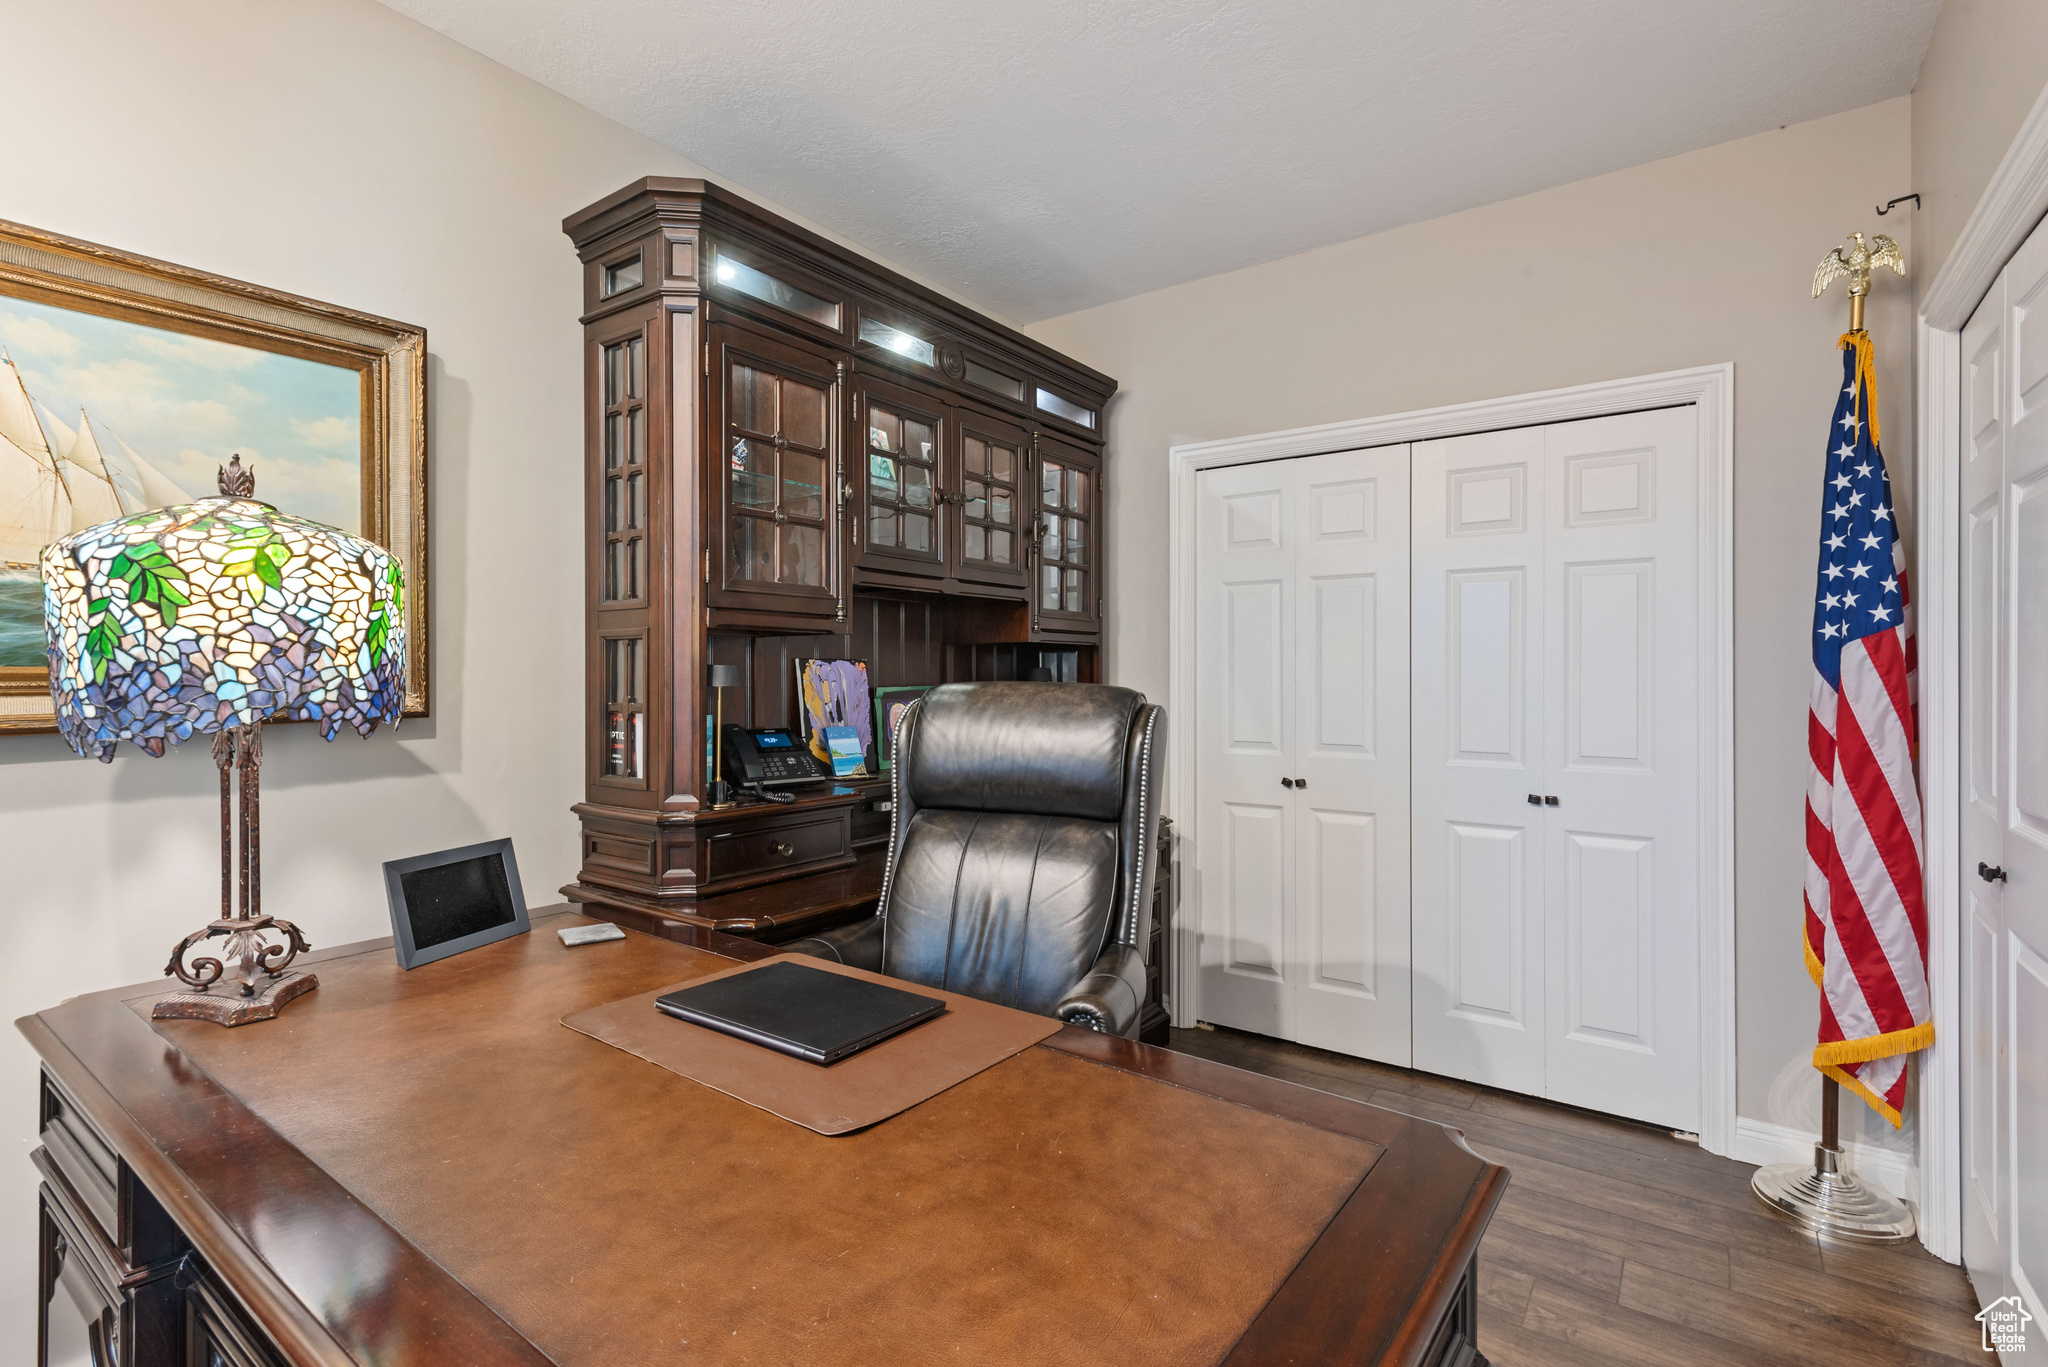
{"x":125,"y":383}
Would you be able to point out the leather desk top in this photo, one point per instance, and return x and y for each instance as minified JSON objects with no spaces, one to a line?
{"x":429,"y":1163}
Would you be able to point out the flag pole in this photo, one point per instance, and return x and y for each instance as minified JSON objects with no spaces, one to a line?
{"x":1821,"y":1196}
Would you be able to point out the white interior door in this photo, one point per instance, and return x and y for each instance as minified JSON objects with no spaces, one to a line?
{"x":2004,"y":824}
{"x":1350,"y":907}
{"x":1621,"y":694}
{"x":1556,"y":846}
{"x":1301,"y":842}
{"x":1478,"y":758}
{"x":1983,"y":774}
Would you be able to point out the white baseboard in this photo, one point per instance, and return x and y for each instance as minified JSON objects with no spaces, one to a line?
{"x":1758,"y":1142}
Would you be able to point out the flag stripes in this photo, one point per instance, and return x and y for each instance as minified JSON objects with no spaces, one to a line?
{"x":1866,"y":914}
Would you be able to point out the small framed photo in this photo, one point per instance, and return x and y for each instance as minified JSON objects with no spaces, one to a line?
{"x":832,"y":702}
{"x":445,"y":903}
{"x":889,"y":705}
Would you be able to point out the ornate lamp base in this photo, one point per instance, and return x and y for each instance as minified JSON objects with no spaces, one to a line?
{"x":226,"y":1006}
{"x":1833,"y":1203}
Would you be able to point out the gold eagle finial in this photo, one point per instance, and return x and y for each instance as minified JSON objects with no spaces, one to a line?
{"x":1858,"y":264}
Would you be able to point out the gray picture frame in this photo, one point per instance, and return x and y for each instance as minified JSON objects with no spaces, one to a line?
{"x":403,"y":939}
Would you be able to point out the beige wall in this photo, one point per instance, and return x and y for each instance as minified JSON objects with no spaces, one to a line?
{"x":1700,"y":259}
{"x":1984,"y":68}
{"x":337,"y":150}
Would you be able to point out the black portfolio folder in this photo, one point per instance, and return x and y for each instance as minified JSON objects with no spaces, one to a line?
{"x":815,"y":1015}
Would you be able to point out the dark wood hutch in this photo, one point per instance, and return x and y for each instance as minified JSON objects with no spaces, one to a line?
{"x":792,"y":452}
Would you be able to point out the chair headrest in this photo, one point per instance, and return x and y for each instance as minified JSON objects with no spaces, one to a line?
{"x":1043,"y":748}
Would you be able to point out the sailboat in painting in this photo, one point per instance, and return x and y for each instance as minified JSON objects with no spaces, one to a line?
{"x":55,"y":480}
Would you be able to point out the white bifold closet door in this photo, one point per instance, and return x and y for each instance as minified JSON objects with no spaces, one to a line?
{"x":1302,"y":749}
{"x":2004,"y":789}
{"x":1556,"y":793}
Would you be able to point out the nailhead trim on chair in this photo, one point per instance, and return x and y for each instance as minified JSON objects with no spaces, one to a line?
{"x":895,"y":819}
{"x":1129,"y":934}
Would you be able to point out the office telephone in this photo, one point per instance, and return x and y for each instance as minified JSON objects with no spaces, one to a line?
{"x":770,"y":757}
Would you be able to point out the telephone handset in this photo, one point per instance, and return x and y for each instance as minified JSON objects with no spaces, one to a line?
{"x":770,"y":758}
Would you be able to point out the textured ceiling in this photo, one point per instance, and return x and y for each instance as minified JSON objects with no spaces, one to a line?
{"x":1042,"y":157}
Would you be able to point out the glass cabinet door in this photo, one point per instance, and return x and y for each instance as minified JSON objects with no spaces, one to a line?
{"x":993,"y":510}
{"x":773,"y":470}
{"x":902,"y":480}
{"x":1066,"y":587}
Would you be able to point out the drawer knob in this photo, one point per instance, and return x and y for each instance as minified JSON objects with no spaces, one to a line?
{"x":784,"y":848}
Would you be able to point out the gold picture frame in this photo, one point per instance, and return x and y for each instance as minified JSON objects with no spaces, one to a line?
{"x":390,"y":358}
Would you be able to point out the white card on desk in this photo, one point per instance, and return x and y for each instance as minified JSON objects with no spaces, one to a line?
{"x":590,"y":935}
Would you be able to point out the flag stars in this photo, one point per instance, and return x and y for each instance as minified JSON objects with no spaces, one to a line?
{"x":1849,"y":421}
{"x":1837,"y":541}
{"x":1843,"y":481}
{"x":1883,"y":514}
{"x":1891,"y":585}
{"x":1833,"y":571}
{"x":1831,"y":601}
{"x":1860,"y":570}
{"x":1864,"y":469}
{"x":1829,"y":630}
{"x":1840,"y":510}
{"x":1871,"y":542}
{"x":1846,"y":452}
{"x":1881,"y":613}
{"x":1848,"y":600}
{"x":1856,"y":500}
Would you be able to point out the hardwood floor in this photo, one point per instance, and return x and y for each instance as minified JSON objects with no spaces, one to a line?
{"x":1617,"y":1245}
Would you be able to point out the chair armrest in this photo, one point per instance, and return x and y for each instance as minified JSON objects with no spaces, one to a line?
{"x":1109,"y":998}
{"x":858,"y":945}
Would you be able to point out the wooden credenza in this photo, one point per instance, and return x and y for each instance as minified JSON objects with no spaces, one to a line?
{"x":428,"y":1168}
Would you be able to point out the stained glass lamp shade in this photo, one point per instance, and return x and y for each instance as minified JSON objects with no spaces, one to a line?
{"x":208,"y":619}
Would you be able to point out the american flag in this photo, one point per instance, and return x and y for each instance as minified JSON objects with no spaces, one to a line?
{"x":1866,"y":919}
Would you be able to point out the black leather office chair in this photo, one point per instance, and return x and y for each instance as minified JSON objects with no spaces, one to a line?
{"x":1022,"y":842}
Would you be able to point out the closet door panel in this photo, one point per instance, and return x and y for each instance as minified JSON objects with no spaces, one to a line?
{"x":1620,"y":665}
{"x":1351,"y":753}
{"x":1478,"y":863}
{"x":1301,"y":753}
{"x":1245,"y":646}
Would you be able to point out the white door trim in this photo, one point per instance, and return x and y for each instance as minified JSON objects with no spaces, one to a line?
{"x":2012,"y":204}
{"x":1712,"y":389}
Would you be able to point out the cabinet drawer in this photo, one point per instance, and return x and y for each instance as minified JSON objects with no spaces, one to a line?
{"x":777,"y":849}
{"x":216,"y":1332}
{"x":88,"y":1162}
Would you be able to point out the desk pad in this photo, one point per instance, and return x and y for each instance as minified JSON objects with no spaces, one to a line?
{"x":850,"y":1095}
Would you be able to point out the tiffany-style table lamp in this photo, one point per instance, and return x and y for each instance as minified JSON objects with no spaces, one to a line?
{"x":208,"y":619}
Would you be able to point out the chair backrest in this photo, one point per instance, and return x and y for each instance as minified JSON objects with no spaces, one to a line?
{"x":1020,"y":845}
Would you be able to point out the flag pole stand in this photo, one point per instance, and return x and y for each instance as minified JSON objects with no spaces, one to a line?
{"x":1825,"y":1199}
{"x":1821,"y":1196}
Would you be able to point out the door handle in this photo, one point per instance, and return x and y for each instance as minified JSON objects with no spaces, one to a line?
{"x":1286,"y":783}
{"x":1294,"y":783}
{"x":1549,"y":800}
{"x":1535,"y":799}
{"x":1990,"y":873}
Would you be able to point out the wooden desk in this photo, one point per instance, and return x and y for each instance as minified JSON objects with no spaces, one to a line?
{"x":428,"y":1168}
